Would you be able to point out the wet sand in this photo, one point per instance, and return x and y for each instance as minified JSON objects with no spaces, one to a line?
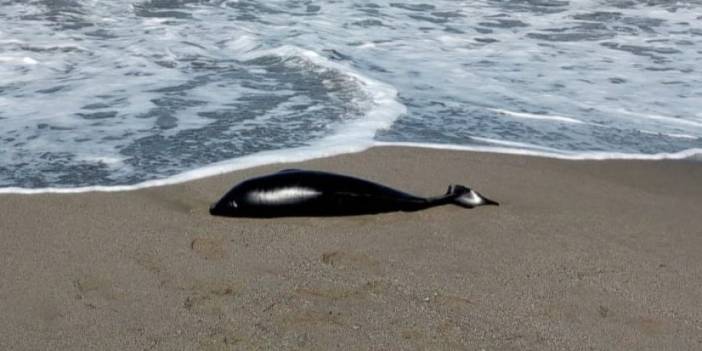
{"x":602,"y":255}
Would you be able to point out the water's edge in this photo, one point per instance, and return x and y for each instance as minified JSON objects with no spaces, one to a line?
{"x":308,"y":153}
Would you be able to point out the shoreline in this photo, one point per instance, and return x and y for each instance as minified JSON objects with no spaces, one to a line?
{"x":275,"y":157}
{"x":600,"y":254}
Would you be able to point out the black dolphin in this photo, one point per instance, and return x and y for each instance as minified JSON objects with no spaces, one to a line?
{"x":295,"y":192}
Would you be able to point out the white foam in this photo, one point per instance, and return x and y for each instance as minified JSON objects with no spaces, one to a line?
{"x":110,"y":161}
{"x":514,"y":144}
{"x":329,"y":149}
{"x":354,"y":136}
{"x":258,"y":159}
{"x":55,"y":46}
{"x":681,"y":136}
{"x":382,"y":112}
{"x":536,"y":116}
{"x":662,"y":118}
{"x":154,"y":21}
{"x":564,"y":155}
{"x":512,"y":72}
{"x":18,"y":60}
{"x":12,"y":41}
{"x":672,"y":135}
{"x":242,"y":44}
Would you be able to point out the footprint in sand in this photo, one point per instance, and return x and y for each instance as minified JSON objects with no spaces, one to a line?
{"x":223,"y":339}
{"x":208,"y":248}
{"x":211,"y":297}
{"x":374,"y":287}
{"x":94,"y":288}
{"x":351,"y":261}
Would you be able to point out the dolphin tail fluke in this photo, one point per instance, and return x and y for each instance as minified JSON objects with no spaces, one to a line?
{"x":468,"y":198}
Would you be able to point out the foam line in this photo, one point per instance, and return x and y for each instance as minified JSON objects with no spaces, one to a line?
{"x":514,"y":144}
{"x":535,"y":116}
{"x":563,"y":155}
{"x":667,"y":119}
{"x":254,"y":160}
{"x":329,"y":148}
{"x":672,"y":135}
{"x":18,"y":60}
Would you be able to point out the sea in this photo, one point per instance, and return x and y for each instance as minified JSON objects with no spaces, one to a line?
{"x":115,"y":95}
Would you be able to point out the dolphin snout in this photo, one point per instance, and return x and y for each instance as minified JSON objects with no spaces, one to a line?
{"x":214,"y":210}
{"x":491,"y":202}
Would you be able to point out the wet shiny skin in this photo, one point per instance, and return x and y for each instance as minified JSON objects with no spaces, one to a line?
{"x":314,"y":193}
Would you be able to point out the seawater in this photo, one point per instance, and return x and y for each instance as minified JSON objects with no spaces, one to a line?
{"x":113,"y":95}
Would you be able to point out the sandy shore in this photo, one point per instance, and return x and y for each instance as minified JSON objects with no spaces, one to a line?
{"x":603,"y":255}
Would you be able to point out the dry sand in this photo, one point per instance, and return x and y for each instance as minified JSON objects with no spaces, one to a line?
{"x":582,"y":255}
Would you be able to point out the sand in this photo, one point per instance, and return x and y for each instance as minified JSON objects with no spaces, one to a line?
{"x":582,"y":255}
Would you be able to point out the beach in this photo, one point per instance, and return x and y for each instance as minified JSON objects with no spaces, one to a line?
{"x":581,"y":255}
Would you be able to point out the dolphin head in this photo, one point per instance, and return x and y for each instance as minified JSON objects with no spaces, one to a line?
{"x":229,"y":205}
{"x":224,"y":208}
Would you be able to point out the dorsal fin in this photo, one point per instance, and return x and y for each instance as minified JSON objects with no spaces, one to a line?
{"x":459,"y":190}
{"x":289,"y":170}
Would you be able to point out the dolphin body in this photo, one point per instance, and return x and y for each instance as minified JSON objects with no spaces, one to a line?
{"x":294,"y":192}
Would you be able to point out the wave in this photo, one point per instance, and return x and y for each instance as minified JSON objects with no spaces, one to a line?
{"x":352,"y":136}
{"x":154,"y":89}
